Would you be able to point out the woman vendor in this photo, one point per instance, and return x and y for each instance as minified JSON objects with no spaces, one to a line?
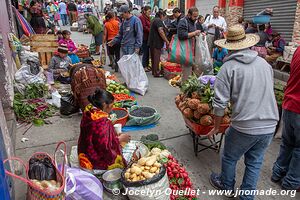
{"x":99,"y":145}
{"x":66,"y":40}
{"x":58,"y":68}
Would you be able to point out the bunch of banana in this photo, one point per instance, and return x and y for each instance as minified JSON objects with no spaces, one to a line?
{"x":175,"y":82}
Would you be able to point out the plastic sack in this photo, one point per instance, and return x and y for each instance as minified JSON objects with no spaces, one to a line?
{"x":56,"y":99}
{"x":104,"y":56}
{"x":159,"y":182}
{"x":134,"y":74}
{"x":25,"y":75}
{"x":41,"y":169}
{"x":74,"y":161}
{"x":68,"y":105}
{"x":142,"y":121}
{"x":202,"y":56}
{"x":81,"y":185}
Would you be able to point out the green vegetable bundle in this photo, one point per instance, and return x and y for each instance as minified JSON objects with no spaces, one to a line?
{"x":151,"y":141}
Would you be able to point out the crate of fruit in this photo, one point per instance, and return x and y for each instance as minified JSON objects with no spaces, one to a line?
{"x":83,"y":51}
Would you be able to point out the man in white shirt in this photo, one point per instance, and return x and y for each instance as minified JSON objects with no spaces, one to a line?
{"x":212,"y":23}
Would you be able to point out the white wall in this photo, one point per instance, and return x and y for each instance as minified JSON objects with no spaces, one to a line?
{"x":206,"y":6}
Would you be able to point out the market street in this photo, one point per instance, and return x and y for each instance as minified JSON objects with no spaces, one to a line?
{"x":171,"y":129}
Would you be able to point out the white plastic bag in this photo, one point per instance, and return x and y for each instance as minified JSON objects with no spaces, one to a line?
{"x":202,"y":55}
{"x":134,"y":74}
{"x":56,"y":97}
{"x":74,"y":161}
{"x":25,"y":76}
{"x":107,"y":61}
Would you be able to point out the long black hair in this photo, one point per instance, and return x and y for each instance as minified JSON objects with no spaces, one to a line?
{"x":100,"y":97}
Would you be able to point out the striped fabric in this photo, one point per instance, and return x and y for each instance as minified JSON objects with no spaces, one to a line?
{"x":181,"y":51}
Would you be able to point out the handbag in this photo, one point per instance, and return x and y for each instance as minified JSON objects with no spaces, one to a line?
{"x":34,"y":192}
{"x":181,"y":51}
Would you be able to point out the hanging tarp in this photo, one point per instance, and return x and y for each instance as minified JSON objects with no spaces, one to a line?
{"x":26,"y":27}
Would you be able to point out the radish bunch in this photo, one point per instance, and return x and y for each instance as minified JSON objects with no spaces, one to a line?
{"x":179,"y":180}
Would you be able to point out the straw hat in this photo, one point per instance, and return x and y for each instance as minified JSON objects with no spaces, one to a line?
{"x":236,"y":39}
{"x":169,"y":12}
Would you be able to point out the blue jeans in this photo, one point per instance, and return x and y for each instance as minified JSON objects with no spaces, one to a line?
{"x":127,"y":50}
{"x":64,"y":19}
{"x":253,"y":148}
{"x":288,"y":161}
{"x":146,"y":54}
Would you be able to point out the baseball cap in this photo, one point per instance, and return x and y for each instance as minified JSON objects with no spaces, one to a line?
{"x":123,"y":9}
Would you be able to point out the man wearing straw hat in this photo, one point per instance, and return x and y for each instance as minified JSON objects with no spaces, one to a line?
{"x":246,"y":81}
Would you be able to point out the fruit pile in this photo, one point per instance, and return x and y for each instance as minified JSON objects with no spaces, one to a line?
{"x":179,"y":179}
{"x":117,"y":88}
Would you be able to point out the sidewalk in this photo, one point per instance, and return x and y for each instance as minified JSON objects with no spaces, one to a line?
{"x":171,"y":128}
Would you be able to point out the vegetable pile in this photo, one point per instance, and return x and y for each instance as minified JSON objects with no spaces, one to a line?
{"x":117,"y":88}
{"x":279,"y":93}
{"x":145,"y":168}
{"x":142,"y":112}
{"x":32,"y":107}
{"x":178,"y":178}
{"x":195,"y":102}
{"x":123,"y":97}
{"x":151,"y":141}
{"x":50,"y":186}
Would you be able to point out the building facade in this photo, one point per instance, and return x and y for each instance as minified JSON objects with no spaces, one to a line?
{"x":285,"y":20}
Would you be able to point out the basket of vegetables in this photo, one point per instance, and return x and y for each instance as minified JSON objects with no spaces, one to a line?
{"x":195,"y":104}
{"x":147,"y":173}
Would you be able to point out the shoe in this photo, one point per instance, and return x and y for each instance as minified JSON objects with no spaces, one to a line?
{"x":158,"y":76}
{"x":216,"y":182}
{"x":275,"y":179}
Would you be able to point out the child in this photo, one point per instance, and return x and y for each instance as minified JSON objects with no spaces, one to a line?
{"x":218,"y":56}
{"x":66,"y":40}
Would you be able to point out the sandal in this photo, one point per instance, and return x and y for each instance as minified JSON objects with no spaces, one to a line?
{"x":158,"y":76}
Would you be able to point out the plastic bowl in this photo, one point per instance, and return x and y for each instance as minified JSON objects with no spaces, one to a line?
{"x":122,"y":120}
{"x":261,"y":19}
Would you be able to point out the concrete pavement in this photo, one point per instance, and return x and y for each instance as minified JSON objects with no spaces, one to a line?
{"x":171,"y":129}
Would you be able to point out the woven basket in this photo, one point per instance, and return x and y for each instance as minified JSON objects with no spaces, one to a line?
{"x":33,"y":191}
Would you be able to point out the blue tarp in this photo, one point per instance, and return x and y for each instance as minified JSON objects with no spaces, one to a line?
{"x":137,"y":128}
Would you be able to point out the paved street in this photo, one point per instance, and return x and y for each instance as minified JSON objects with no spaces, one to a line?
{"x":171,"y":129}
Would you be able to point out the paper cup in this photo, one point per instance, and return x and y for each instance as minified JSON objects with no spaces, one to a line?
{"x":118,"y":128}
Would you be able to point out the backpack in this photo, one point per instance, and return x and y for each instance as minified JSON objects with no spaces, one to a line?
{"x":85,"y":79}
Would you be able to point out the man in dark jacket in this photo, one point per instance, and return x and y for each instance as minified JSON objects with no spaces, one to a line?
{"x":173,"y":27}
{"x":187,"y":30}
{"x":72,"y":8}
{"x":145,"y":19}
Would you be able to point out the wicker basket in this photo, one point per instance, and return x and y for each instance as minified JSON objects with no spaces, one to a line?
{"x":33,"y":191}
{"x":83,"y":54}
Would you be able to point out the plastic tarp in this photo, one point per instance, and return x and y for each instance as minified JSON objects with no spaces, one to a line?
{"x":133,"y":73}
{"x":142,"y":121}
